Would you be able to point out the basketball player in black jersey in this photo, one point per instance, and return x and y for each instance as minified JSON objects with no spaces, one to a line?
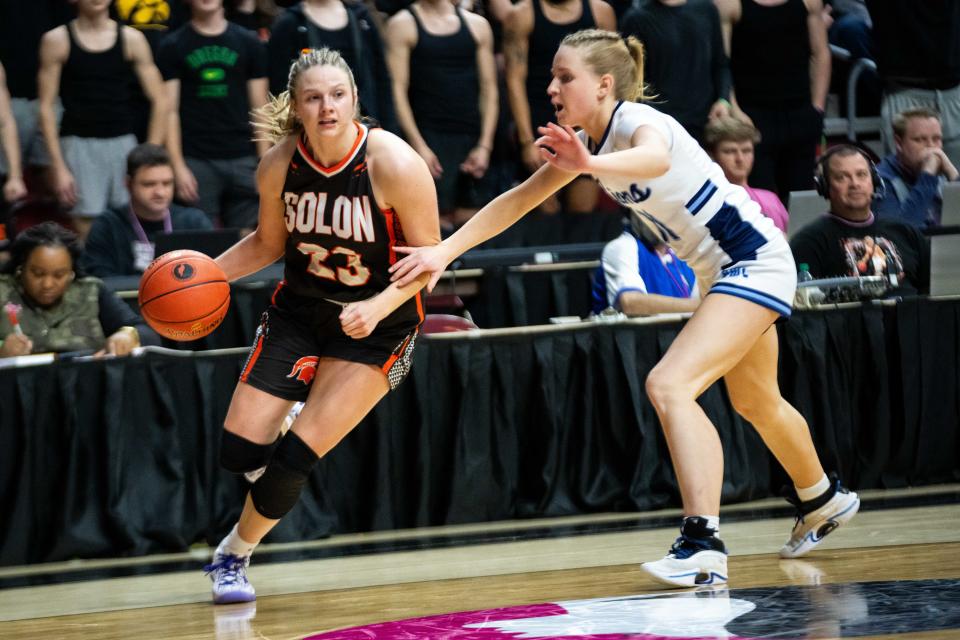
{"x":336,"y":197}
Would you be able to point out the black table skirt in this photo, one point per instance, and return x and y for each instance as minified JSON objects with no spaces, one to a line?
{"x":120,"y":456}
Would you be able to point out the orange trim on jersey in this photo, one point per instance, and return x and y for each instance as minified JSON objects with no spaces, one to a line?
{"x":419,"y":298}
{"x":388,"y":214}
{"x":396,"y":356}
{"x":280,"y":285}
{"x":386,"y":367}
{"x":253,"y":359}
{"x":389,"y":217}
{"x":337,"y":168}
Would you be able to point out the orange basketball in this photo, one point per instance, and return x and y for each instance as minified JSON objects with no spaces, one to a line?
{"x":184,"y":295}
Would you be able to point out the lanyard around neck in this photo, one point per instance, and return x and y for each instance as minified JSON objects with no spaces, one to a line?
{"x":682,"y":284}
{"x":138,"y":228}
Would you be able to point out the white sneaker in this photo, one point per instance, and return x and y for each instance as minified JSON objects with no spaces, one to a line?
{"x":812,"y":526}
{"x":691,"y":562}
{"x":229,"y":575}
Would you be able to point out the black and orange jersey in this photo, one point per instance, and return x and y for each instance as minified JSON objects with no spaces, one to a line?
{"x":341,"y":243}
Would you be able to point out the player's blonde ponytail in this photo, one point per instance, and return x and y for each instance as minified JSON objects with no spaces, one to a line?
{"x":605,"y":52}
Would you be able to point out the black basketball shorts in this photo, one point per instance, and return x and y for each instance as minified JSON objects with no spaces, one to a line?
{"x":295,"y":332}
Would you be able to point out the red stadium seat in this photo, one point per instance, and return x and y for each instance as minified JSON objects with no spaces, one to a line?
{"x":446,"y":323}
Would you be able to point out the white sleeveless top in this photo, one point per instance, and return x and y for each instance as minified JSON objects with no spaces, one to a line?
{"x":710,"y":223}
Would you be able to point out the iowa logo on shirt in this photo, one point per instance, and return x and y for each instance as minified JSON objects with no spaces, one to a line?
{"x":144,"y":14}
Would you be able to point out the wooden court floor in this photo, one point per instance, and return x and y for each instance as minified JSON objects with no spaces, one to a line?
{"x":890,"y":573}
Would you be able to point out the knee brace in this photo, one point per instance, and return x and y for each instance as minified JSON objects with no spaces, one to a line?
{"x":239,"y":455}
{"x":278,"y":489}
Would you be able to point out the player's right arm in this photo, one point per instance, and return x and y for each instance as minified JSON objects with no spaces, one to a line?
{"x":497,"y":216}
{"x":266,"y":244}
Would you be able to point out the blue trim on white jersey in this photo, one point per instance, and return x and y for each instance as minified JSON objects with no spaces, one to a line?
{"x":701,"y":197}
{"x":758,"y":297}
{"x":606,"y":132}
{"x":738,"y":238}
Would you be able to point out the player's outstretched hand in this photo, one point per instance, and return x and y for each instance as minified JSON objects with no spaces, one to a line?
{"x":432,"y":260}
{"x":561,"y":147}
{"x":359,"y":319}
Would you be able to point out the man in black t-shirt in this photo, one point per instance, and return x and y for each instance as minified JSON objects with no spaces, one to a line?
{"x":215,"y":73}
{"x":851,"y":241}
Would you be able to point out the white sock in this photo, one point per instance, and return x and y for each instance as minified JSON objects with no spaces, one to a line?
{"x":817,"y":490}
{"x":234,"y":545}
{"x":713,"y":522}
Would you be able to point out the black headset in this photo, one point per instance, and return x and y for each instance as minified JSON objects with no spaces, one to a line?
{"x":821,"y":173}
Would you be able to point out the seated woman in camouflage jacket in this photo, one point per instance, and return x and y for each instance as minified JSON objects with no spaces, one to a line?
{"x":58,"y":311}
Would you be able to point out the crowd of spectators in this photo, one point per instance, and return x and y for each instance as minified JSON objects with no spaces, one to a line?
{"x":133,"y":118}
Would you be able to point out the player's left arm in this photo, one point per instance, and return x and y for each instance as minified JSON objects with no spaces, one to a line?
{"x":648,"y":156}
{"x":401,"y":182}
{"x":139,"y":54}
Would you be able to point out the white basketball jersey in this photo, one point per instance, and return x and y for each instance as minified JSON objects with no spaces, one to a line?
{"x":710,"y":223}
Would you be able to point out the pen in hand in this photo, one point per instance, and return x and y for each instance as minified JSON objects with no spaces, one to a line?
{"x":12,"y":315}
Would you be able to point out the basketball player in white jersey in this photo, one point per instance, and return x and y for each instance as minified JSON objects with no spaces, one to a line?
{"x":647,"y":162}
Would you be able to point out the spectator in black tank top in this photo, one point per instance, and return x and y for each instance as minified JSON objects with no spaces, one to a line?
{"x":22,"y":24}
{"x":532,"y":32}
{"x":448,"y":107}
{"x":347,"y":27}
{"x":253,"y":15}
{"x":780,"y":64}
{"x":215,"y":73}
{"x":691,"y":83}
{"x":154,"y":19}
{"x":90,"y":64}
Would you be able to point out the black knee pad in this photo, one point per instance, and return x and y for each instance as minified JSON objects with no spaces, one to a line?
{"x":239,"y":455}
{"x":278,"y":489}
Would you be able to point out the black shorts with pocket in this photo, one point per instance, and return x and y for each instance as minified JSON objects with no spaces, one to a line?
{"x":296,"y":331}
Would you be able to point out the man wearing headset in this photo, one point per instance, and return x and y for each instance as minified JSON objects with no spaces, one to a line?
{"x":850,"y":240}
